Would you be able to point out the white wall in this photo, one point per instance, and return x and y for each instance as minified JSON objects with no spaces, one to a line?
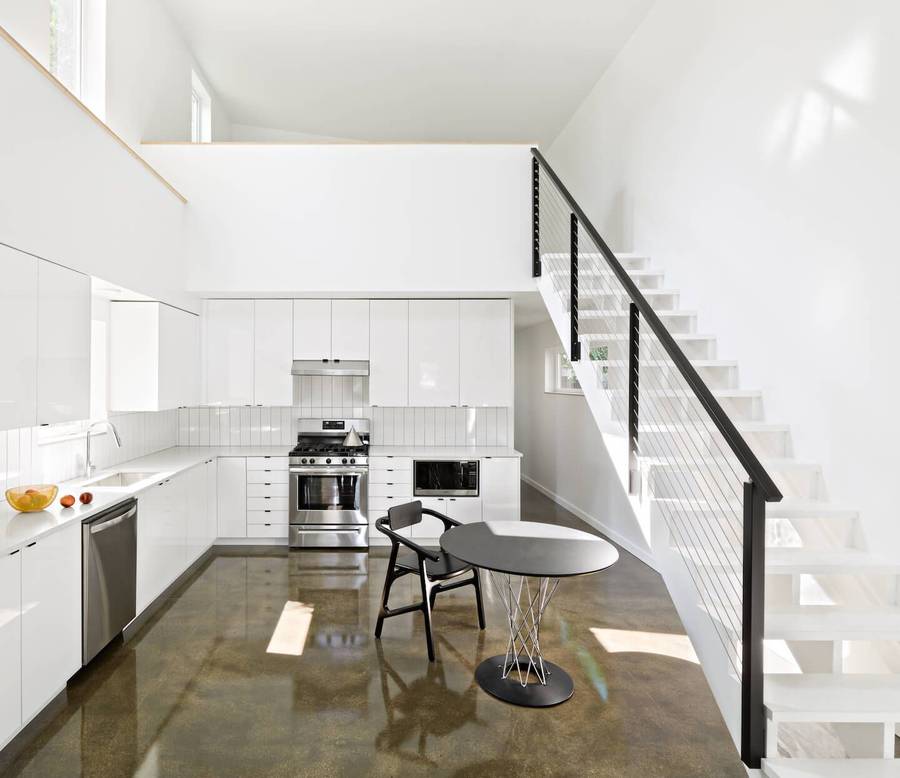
{"x":252,"y":134}
{"x":69,"y":193}
{"x":353,"y":219}
{"x":28,"y":21}
{"x":563,"y":452}
{"x":753,"y":149}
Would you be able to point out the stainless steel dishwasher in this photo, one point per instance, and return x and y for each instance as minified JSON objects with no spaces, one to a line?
{"x":109,"y":570}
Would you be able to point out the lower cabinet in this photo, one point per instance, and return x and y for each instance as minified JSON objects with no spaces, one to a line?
{"x":500,"y":489}
{"x":232,"y":497}
{"x":197,"y":521}
{"x":464,"y":509}
{"x":10,"y":646}
{"x":51,"y":616}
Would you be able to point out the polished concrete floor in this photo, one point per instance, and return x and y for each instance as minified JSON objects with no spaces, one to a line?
{"x":199,"y":691}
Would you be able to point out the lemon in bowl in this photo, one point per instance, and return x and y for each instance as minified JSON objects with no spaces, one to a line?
{"x":27,"y":499}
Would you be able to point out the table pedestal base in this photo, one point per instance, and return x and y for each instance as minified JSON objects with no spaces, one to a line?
{"x":491,"y":677}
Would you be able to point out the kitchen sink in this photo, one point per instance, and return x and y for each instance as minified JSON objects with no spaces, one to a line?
{"x":121,"y":479}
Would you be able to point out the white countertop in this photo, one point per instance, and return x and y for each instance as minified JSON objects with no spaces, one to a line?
{"x":20,"y":529}
{"x":443,"y":452}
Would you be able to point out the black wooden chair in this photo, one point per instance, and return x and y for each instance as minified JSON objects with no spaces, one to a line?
{"x":436,"y":568}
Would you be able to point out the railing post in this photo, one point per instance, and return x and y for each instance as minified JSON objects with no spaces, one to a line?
{"x":535,"y":218}
{"x":753,"y":717}
{"x":575,"y":346}
{"x":634,"y":332}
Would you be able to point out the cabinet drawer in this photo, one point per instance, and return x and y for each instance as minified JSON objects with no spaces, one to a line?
{"x":390,"y":490}
{"x":390,"y":463}
{"x":267,"y":503}
{"x":390,"y":476}
{"x":267,"y":531}
{"x":378,"y":506}
{"x":267,"y":463}
{"x":267,"y":517}
{"x":267,"y":476}
{"x":267,"y":490}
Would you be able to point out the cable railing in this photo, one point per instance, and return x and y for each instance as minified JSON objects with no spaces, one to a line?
{"x":685,"y":454}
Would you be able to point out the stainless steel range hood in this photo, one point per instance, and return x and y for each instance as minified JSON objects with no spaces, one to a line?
{"x":329,"y":367}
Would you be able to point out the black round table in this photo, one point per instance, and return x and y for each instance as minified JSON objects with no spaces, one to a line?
{"x":527,"y":550}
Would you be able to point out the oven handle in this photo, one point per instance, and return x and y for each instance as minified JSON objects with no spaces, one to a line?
{"x":326,"y":471}
{"x":311,"y":530}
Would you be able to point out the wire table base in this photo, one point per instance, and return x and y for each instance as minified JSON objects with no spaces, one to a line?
{"x":522,"y":676}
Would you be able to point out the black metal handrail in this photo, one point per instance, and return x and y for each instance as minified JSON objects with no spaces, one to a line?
{"x":717,"y":414}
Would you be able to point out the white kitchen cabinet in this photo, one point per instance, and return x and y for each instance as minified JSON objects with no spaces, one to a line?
{"x":350,"y":329}
{"x":149,"y":545}
{"x":63,"y":344}
{"x":500,"y":489}
{"x":18,"y":323}
{"x":196,"y":520}
{"x":485,"y":353}
{"x":51,"y":616}
{"x":464,"y":509}
{"x":312,"y":329}
{"x":229,"y":352}
{"x":272,"y":352}
{"x":389,"y":353}
{"x":10,"y":645}
{"x":154,"y":357}
{"x":212,"y":498}
{"x":433,"y":352}
{"x":232,"y":497}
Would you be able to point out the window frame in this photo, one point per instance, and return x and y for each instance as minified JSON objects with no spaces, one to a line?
{"x":555,"y":361}
{"x":77,"y":85}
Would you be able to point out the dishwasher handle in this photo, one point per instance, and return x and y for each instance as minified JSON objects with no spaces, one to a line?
{"x":95,"y":528}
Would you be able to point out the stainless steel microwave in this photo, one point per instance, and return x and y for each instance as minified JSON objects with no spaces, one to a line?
{"x":445,"y":478}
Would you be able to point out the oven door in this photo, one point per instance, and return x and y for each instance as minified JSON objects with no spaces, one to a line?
{"x":324,"y":495}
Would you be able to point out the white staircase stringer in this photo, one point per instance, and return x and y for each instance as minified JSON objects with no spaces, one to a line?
{"x":717,"y":662}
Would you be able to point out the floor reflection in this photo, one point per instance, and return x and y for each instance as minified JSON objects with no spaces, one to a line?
{"x":197,"y":692}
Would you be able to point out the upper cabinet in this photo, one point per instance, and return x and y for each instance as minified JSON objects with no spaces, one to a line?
{"x":389,"y":353}
{"x":154,"y":357}
{"x":485,"y":356}
{"x":433,"y":352}
{"x":18,"y":320}
{"x":229,"y":352}
{"x":350,"y":329}
{"x":272,"y":344}
{"x":312,"y":329}
{"x":64,"y":344}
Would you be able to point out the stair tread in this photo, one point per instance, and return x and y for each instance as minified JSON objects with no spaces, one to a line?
{"x":769,"y":463}
{"x":826,"y":697}
{"x":798,"y":508}
{"x":831,"y":768}
{"x":592,"y":313}
{"x":742,"y":426}
{"x":830,"y":622}
{"x":625,"y":336}
{"x":811,"y":560}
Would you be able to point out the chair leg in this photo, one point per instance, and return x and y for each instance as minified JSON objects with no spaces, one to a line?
{"x":386,"y":592}
{"x":477,"y":583}
{"x":426,"y":612}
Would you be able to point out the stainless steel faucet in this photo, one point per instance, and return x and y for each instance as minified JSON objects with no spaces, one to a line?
{"x":88,"y":465}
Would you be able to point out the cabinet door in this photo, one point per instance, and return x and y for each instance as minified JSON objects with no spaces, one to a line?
{"x":272,"y":352}
{"x":389,"y":353}
{"x":431,"y":527}
{"x":212,"y":512}
{"x":464,"y":509}
{"x":51,"y":616}
{"x":500,"y":489}
{"x":151,"y":544}
{"x":484,"y":353}
{"x":433,"y":352}
{"x":64,"y":344}
{"x":232,"y":497}
{"x":135,"y":352}
{"x":18,"y":323}
{"x":229,"y":352}
{"x":175,"y":528}
{"x":196,"y":541}
{"x":350,"y":329}
{"x":179,"y":358}
{"x":312,"y":329}
{"x":10,"y":645}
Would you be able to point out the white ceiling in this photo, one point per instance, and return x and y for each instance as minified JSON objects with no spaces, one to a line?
{"x":406,"y":70}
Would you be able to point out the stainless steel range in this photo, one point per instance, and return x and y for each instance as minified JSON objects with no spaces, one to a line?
{"x":329,"y":473}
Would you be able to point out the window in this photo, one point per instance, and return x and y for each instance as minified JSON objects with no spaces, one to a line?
{"x":559,"y":375}
{"x":65,"y":43}
{"x":201,"y":112}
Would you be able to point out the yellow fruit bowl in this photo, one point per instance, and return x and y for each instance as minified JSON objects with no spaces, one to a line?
{"x":28,"y":499}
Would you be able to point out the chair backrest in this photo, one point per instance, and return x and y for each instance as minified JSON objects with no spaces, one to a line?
{"x":405,"y":515}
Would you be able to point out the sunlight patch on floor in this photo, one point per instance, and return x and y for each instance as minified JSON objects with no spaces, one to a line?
{"x":290,"y":633}
{"x":617,"y":641}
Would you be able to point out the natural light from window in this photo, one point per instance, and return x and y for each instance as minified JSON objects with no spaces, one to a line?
{"x":290,"y":633}
{"x":616,"y":641}
{"x":201,"y":111}
{"x":65,"y":43}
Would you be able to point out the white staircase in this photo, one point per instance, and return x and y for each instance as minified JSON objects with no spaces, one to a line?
{"x":824,"y":589}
